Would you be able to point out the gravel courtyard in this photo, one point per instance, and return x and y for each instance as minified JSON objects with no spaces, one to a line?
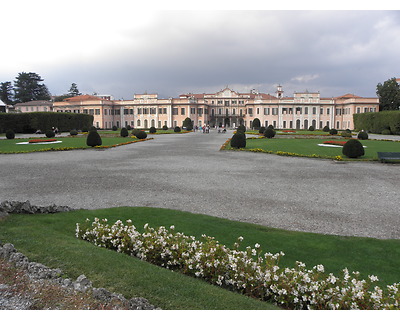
{"x":188,"y":172}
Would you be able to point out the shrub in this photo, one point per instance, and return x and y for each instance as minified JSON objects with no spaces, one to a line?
{"x":153,"y":130}
{"x":165,"y":127}
{"x":128,"y":127}
{"x":326,"y":129}
{"x":386,"y":132}
{"x":140,"y":134}
{"x":177,"y":129}
{"x":332,"y":131}
{"x":238,"y":140}
{"x":114,"y":128}
{"x":353,"y":149}
{"x":85,"y":129}
{"x":187,"y":123}
{"x":124,"y":132}
{"x":346,"y":134}
{"x":93,"y":128}
{"x":135,"y":131}
{"x":50,"y":134}
{"x":93,"y":139}
{"x":271,"y":126}
{"x":241,"y":128}
{"x":311,"y":128}
{"x":269,"y":133}
{"x":10,"y":134}
{"x":261,"y":130}
{"x":256,"y":123}
{"x":362,"y":135}
{"x":73,"y":132}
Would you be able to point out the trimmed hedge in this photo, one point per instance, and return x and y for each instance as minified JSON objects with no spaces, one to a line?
{"x":377,"y":122}
{"x":29,"y":122}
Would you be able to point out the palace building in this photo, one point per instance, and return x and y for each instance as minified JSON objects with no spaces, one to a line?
{"x":226,"y":108}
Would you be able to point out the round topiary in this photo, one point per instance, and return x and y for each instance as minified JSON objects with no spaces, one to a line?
{"x":177,"y":129}
{"x":261,"y":130}
{"x":135,"y":131}
{"x":114,"y":128}
{"x":124,"y":132}
{"x":311,"y":128}
{"x":165,"y":127}
{"x":10,"y":134}
{"x":73,"y":132}
{"x":84,"y":129}
{"x":269,"y":133}
{"x":238,"y":140}
{"x":353,"y":149}
{"x":93,"y":128}
{"x":362,"y":135}
{"x":50,"y":134}
{"x":140,"y":134}
{"x":271,"y":126}
{"x":346,"y":134}
{"x":326,"y":129}
{"x":153,"y":130}
{"x":241,"y":128}
{"x":332,"y":131}
{"x":93,"y":139}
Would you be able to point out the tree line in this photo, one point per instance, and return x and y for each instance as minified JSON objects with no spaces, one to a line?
{"x":29,"y":86}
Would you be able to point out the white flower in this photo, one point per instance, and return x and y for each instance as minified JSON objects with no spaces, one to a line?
{"x":257,"y":245}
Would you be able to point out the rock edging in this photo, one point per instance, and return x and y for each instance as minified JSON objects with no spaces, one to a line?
{"x":25,"y":207}
{"x":38,"y":271}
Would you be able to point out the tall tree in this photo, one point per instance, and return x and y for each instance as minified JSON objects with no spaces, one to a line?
{"x":28,"y":87}
{"x":73,"y":91}
{"x":389,"y":95}
{"x":6,"y":92}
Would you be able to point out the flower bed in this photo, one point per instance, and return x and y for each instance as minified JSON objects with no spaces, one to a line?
{"x":289,"y":131}
{"x":248,"y":272}
{"x":335,"y":142}
{"x":41,"y":140}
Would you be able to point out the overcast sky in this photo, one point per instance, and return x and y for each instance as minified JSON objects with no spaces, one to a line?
{"x":118,"y":48}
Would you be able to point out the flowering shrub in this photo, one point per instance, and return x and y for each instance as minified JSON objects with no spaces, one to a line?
{"x":41,"y":140}
{"x":248,"y":272}
{"x":335,"y":142}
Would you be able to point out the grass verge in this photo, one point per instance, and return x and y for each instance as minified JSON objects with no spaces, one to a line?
{"x":50,"y":239}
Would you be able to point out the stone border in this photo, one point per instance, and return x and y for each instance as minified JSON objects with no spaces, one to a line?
{"x":38,"y":271}
{"x":18,"y":207}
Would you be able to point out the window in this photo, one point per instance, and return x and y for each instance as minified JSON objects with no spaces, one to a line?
{"x":305,"y":110}
{"x":130,"y":111}
{"x":258,"y":110}
{"x":200,"y":111}
{"x":97,"y":112}
{"x":139,"y":111}
{"x":84,"y":111}
{"x":138,"y":123}
{"x":193,"y":110}
{"x":165,"y":110}
{"x":126,"y":111}
{"x":298,"y":110}
{"x":284,"y":124}
{"x":227,"y":112}
{"x":365,"y":109}
{"x":314,"y":110}
{"x":274,"y":112}
{"x":233,"y":111}
{"x":358,"y":110}
{"x":105,"y":112}
{"x":266,"y":111}
{"x":153,"y":110}
{"x":321,"y":111}
{"x":91,"y":111}
{"x":117,"y":112}
{"x":182,"y":111}
{"x":175,"y":111}
{"x":220,"y":111}
{"x":234,"y":102}
{"x":328,"y":111}
{"x":219,"y":101}
{"x":226,"y":103}
{"x":251,"y":111}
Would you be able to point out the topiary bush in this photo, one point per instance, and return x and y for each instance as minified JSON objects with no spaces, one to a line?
{"x":135,"y":131}
{"x":269,"y":133}
{"x":332,"y":132}
{"x":362,"y":135}
{"x":10,"y":134}
{"x":93,"y":128}
{"x":114,"y":128}
{"x":386,"y":132}
{"x":73,"y":132}
{"x":353,"y":149}
{"x":124,"y":132}
{"x":93,"y":139}
{"x":85,"y":129}
{"x":241,"y":128}
{"x":238,"y":140}
{"x":50,"y":134}
{"x":177,"y":129}
{"x":311,"y":128}
{"x":271,"y":126}
{"x":165,"y":127}
{"x":346,"y":134}
{"x":261,"y":130}
{"x":153,"y":130}
{"x":140,"y":134}
{"x":326,"y":129}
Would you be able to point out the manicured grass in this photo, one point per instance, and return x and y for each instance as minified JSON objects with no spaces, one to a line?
{"x":309,"y":147}
{"x":10,"y":145}
{"x":50,"y":239}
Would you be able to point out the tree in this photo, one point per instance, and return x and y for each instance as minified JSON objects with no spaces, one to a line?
{"x":28,"y":87}
{"x":73,"y":91}
{"x":256,"y":123}
{"x":389,"y":95}
{"x":187,"y":123}
{"x":6,"y":94}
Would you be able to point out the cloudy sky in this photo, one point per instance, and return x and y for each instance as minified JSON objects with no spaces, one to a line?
{"x":121,"y":48}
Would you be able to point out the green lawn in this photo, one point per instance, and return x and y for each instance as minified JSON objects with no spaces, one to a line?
{"x":50,"y":239}
{"x":309,"y":147}
{"x":10,"y":145}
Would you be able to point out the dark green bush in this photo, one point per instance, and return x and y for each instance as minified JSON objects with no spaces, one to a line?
{"x":140,"y":134}
{"x":261,"y":130}
{"x":177,"y":129}
{"x":85,"y":129}
{"x":311,"y":128}
{"x":346,"y":134}
{"x":376,"y":122}
{"x":362,"y":135}
{"x":50,"y":134}
{"x":332,"y":131}
{"x":353,"y":149}
{"x":10,"y":134}
{"x":124,"y":132}
{"x":73,"y":132}
{"x":165,"y":127}
{"x":269,"y":133}
{"x":114,"y":128}
{"x":241,"y":128}
{"x":326,"y":129}
{"x":135,"y":131}
{"x":93,"y":139}
{"x":386,"y":132}
{"x":93,"y":128}
{"x":271,"y":126}
{"x":153,"y":130}
{"x":128,"y":127}
{"x":238,"y":140}
{"x":256,"y":123}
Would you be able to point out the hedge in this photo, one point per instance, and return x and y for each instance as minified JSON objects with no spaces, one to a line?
{"x":376,"y":122}
{"x":29,"y":122}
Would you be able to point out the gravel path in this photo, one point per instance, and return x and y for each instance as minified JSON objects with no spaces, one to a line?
{"x":187,"y":172}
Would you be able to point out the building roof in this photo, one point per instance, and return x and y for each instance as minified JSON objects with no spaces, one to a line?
{"x":348,"y":96}
{"x":35,"y":103}
{"x":84,"y":97}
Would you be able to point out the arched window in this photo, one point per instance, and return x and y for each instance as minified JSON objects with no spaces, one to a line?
{"x":138,"y":123}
